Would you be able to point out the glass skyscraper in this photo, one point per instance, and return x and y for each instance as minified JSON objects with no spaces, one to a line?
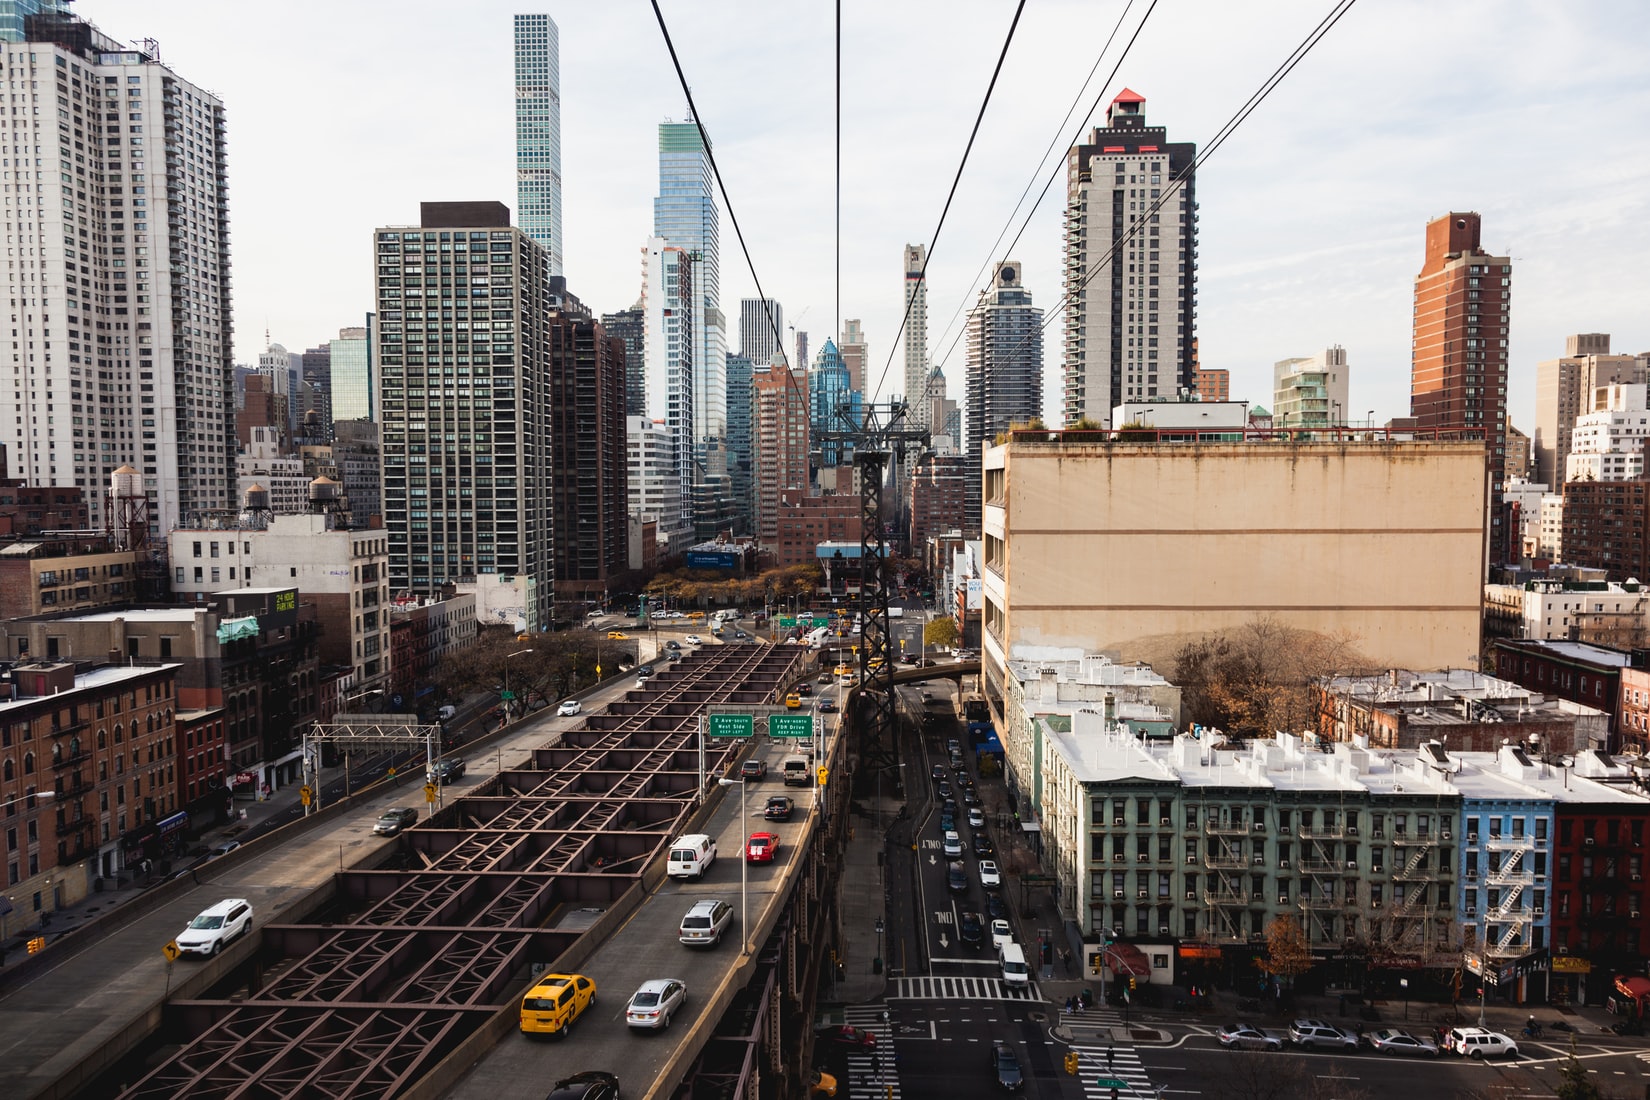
{"x":685,"y":215}
{"x":538,"y":134}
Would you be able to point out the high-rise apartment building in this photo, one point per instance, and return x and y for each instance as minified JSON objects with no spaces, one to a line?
{"x":853,"y":350}
{"x":1212,"y":384}
{"x":1131,"y":265}
{"x":538,"y":134}
{"x":630,"y":325}
{"x":654,"y":483}
{"x":739,"y":441}
{"x":465,"y":411}
{"x":1564,"y":390}
{"x":588,"y":449}
{"x":761,"y":326}
{"x":829,"y":390}
{"x":801,"y":359}
{"x":779,"y":442}
{"x":1310,"y":392}
{"x":121,"y":310}
{"x":916,"y":332}
{"x":352,"y":382}
{"x":685,"y":215}
{"x":1458,"y":372}
{"x":670,"y":303}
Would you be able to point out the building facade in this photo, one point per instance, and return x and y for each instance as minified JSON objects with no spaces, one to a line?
{"x":654,"y":483}
{"x":761,"y":332}
{"x":674,"y":388}
{"x":916,"y":332}
{"x":1310,"y":392}
{"x":685,"y":216}
{"x":588,"y":451}
{"x":1603,"y":525}
{"x":1004,"y":384}
{"x":159,"y":397}
{"x":1140,"y":547}
{"x":1607,"y":443}
{"x":465,"y":480}
{"x":1212,"y":384}
{"x":779,"y":443}
{"x":630,"y":326}
{"x":1564,"y":390}
{"x":353,"y":385}
{"x":1131,"y":265}
{"x":538,"y":134}
{"x":854,"y":352}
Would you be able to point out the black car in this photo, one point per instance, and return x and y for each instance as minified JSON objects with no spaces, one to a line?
{"x":590,"y":1085}
{"x":395,"y":820}
{"x":949,"y":807}
{"x":971,"y":931}
{"x":778,"y":808}
{"x":956,"y":877}
{"x":673,"y":644}
{"x":447,"y":771}
{"x":1005,"y":1067}
{"x":938,"y":772}
{"x":826,"y":706}
{"x":945,"y":791}
{"x":982,"y":843}
{"x":995,"y":907}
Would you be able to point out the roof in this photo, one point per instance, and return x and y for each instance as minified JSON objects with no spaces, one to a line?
{"x":1129,"y":95}
{"x":96,"y":678}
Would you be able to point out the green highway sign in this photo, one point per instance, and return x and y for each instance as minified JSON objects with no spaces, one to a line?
{"x":786,"y":621}
{"x":732,"y":725}
{"x":790,"y":725}
{"x":1110,"y":1083}
{"x":506,"y":695}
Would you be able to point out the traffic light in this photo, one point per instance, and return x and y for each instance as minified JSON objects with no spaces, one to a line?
{"x":1131,"y":985}
{"x":1071,"y":1062}
{"x":1096,"y":963}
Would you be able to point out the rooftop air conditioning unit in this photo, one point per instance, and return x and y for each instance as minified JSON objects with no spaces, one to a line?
{"x":1141,"y":892}
{"x":1117,"y":893}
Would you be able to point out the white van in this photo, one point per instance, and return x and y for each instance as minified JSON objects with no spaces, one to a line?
{"x":796,"y":771}
{"x":1014,"y":965}
{"x":691,"y":856}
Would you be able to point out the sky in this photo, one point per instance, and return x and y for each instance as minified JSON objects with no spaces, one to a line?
{"x":344,"y":115}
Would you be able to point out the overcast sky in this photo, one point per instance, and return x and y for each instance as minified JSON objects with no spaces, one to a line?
{"x":344,"y":115}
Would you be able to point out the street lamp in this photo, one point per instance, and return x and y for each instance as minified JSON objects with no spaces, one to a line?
{"x":1403,"y":984}
{"x":508,"y":698}
{"x":744,"y":864}
{"x":876,"y":965}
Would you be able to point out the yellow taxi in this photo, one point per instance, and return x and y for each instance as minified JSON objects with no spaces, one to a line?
{"x":696,"y":614}
{"x":555,"y":1003}
{"x":617,"y":636}
{"x":793,"y":701}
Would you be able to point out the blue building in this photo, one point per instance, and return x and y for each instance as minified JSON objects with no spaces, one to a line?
{"x":829,"y":388}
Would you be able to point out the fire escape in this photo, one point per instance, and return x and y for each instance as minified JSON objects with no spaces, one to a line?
{"x":1605,"y":907}
{"x":1229,"y":865}
{"x":1505,"y":886}
{"x":1329,"y":879}
{"x":1413,"y":883}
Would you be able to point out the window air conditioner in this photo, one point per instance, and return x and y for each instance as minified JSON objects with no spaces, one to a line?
{"x":1163,"y":822}
{"x":1351,"y":830}
{"x":1162,"y":930}
{"x":1283,"y":899}
{"x":1638,"y":878}
{"x":1351,"y":865}
{"x":1588,"y":841}
{"x":1141,"y":892}
{"x":1142,"y":857}
{"x":1260,"y":826}
{"x":1472,"y":910}
{"x":1539,"y":911}
{"x":1117,"y":821}
{"x":1472,"y":873}
{"x":1634,"y":913}
{"x":1376,"y":904}
{"x":1472,"y":838}
{"x":1117,"y":893}
{"x":1255,"y":896}
{"x":1447,"y":835}
{"x":1284,"y":864}
{"x":1260,"y":861}
{"x":1191,"y":859}
{"x":1191,"y":894}
{"x":1563,"y":950}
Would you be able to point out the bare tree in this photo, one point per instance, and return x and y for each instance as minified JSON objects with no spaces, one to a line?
{"x":1258,"y":678}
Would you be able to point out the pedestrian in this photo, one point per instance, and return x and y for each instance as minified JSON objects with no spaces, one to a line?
{"x":1109,"y":1053}
{"x":1068,"y":1006}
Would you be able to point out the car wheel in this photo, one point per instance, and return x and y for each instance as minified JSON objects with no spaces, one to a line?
{"x":1476,"y":1054}
{"x":666,"y":1025}
{"x":217,"y":947}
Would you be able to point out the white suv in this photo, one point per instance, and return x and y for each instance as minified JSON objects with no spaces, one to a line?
{"x":1317,"y":1035}
{"x":1477,"y":1042}
{"x":207,"y":933}
{"x":703,"y":925}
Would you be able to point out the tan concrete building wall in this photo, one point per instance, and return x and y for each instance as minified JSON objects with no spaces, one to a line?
{"x":1140,"y":547}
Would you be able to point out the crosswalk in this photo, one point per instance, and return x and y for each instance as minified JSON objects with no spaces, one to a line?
{"x":1124,"y":1065}
{"x":961,"y":989}
{"x":871,"y":1074}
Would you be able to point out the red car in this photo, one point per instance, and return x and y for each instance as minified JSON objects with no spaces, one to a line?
{"x":761,"y":847}
{"x":845,"y":1035}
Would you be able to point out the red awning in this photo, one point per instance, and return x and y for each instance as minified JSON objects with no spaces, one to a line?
{"x":1636,"y":988}
{"x":1127,"y":960}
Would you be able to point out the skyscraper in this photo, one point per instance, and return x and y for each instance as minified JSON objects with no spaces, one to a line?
{"x":1005,"y":371}
{"x":538,"y":134}
{"x":739,"y":440}
{"x":916,"y":332}
{"x":588,"y":445}
{"x":131,"y":223}
{"x":854,"y":352}
{"x":630,"y":325}
{"x":669,"y":302}
{"x":759,"y":334}
{"x":779,"y":442}
{"x":1458,"y":372}
{"x":684,"y":214}
{"x":1131,"y":270}
{"x":829,"y":389}
{"x":466,"y":488}
{"x":353,"y":384}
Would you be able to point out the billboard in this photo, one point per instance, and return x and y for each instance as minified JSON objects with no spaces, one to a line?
{"x":725,"y":560}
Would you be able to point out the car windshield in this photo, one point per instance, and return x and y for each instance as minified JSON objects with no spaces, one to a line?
{"x":389,"y":819}
{"x":645,"y":1000}
{"x":205,"y":921}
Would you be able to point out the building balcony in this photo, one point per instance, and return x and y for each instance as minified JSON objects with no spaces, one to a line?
{"x":1408,"y":839}
{"x":1226,"y":861}
{"x":1326,"y":832}
{"x":1319,"y":903}
{"x":1226,"y":897}
{"x":1227,"y":828}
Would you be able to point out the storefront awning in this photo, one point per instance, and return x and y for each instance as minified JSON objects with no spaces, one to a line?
{"x":1127,"y":960}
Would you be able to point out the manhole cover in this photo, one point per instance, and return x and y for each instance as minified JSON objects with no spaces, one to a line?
{"x":1036,"y":1017}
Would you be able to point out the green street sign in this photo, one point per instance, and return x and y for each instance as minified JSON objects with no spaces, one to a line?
{"x":506,"y":695}
{"x":732,"y":725}
{"x":786,"y":621}
{"x":1110,"y":1083}
{"x":791,"y":725}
